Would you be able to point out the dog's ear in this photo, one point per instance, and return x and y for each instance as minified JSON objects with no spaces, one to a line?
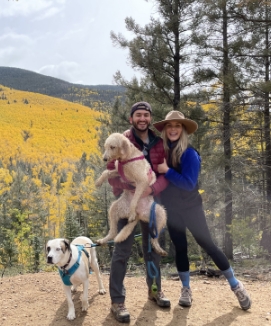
{"x":66,"y":246}
{"x":46,"y":248}
{"x":125,"y":147}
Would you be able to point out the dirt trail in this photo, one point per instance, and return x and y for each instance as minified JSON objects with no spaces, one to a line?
{"x":38,"y":299}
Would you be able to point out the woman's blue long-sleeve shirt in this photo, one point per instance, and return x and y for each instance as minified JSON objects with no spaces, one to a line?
{"x":190,"y":163}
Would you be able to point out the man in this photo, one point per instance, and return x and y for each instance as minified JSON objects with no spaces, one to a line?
{"x":152,"y":147}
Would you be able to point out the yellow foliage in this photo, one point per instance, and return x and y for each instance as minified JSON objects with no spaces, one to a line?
{"x":45,"y":127}
{"x":5,"y":180}
{"x":51,"y":134}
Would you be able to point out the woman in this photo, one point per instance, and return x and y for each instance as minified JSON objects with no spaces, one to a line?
{"x":184,"y":204}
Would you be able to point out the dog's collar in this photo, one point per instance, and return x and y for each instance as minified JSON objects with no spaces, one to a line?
{"x":121,"y":163}
{"x":63,"y":267}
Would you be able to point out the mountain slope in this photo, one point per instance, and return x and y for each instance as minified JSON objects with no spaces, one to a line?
{"x":39,"y":128}
{"x":30,"y":81}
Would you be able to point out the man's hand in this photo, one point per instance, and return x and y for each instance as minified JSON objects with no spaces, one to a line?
{"x":163,"y":168}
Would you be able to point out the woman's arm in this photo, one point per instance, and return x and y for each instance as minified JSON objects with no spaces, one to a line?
{"x":190,"y":168}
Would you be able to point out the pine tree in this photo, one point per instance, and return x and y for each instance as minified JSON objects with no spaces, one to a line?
{"x":8,"y":249}
{"x":71,"y":228}
{"x":161,"y":52}
{"x":102,"y":197}
{"x":218,"y":38}
{"x":256,"y":16}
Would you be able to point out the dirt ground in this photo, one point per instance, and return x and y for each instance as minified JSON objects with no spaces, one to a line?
{"x":38,"y":299}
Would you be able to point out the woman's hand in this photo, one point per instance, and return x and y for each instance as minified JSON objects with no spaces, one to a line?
{"x":163,"y":168}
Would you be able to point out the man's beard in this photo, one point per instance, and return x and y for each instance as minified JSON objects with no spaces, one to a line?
{"x":141,"y":130}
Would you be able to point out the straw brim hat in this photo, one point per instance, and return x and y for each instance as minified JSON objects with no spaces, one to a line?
{"x":190,"y":125}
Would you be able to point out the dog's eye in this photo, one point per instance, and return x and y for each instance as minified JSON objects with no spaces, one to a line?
{"x":112,"y":147}
{"x":48,"y":249}
{"x":57,"y":249}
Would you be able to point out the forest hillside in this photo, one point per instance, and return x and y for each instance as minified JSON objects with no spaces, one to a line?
{"x":46,"y":181}
{"x":30,"y":81}
{"x":39,"y":128}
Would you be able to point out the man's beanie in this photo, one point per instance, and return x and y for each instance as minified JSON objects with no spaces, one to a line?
{"x":141,"y":106}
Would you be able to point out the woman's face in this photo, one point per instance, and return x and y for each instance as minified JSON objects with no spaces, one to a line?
{"x":173,"y":130}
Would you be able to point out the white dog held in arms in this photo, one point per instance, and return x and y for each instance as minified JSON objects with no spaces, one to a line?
{"x":132,"y":167}
{"x":73,"y":261}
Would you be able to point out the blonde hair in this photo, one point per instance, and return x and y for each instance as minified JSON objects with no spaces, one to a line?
{"x":179,"y":148}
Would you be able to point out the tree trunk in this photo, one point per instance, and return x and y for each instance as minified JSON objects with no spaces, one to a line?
{"x":227,"y":140}
{"x":176,"y":100}
{"x":265,"y":242}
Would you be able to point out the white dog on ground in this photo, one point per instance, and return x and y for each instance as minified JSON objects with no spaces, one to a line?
{"x":74,"y":261}
{"x":132,"y":167}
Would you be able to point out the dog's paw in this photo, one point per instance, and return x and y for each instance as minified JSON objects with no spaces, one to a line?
{"x":160,"y":251}
{"x":98,"y":183}
{"x":102,"y":291}
{"x":85,"y":306}
{"x":163,"y":253}
{"x":157,"y":248}
{"x":71,"y":315}
{"x":132,"y":216}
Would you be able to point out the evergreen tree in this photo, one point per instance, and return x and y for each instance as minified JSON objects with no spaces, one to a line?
{"x":219,"y":39}
{"x":8,"y":249}
{"x":161,"y":52}
{"x":71,"y":228}
{"x":115,"y":120}
{"x":255,"y":15}
{"x":101,"y":197}
{"x":36,"y":251}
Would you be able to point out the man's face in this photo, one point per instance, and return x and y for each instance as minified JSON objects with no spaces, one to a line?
{"x":141,"y":120}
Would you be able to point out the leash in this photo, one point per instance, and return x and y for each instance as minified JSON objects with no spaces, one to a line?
{"x":111,"y":242}
{"x":151,"y":268}
{"x":152,"y":223}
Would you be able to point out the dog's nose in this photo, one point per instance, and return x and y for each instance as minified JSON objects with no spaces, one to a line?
{"x":105,"y":159}
{"x":49,"y":260}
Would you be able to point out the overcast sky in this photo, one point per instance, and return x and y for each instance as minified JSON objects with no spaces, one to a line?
{"x":69,"y":39}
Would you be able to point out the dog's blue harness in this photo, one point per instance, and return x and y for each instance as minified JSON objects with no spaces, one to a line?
{"x":66,"y":274}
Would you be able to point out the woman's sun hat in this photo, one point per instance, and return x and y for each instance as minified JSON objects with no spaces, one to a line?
{"x":190,"y":125}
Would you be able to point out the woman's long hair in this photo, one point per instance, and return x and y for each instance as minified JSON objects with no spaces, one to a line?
{"x":180,"y":147}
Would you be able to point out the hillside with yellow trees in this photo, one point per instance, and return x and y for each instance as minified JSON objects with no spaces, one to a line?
{"x":36,"y":127}
{"x":46,"y":176}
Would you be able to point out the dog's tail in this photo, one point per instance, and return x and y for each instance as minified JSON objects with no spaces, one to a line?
{"x":125,"y":231}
